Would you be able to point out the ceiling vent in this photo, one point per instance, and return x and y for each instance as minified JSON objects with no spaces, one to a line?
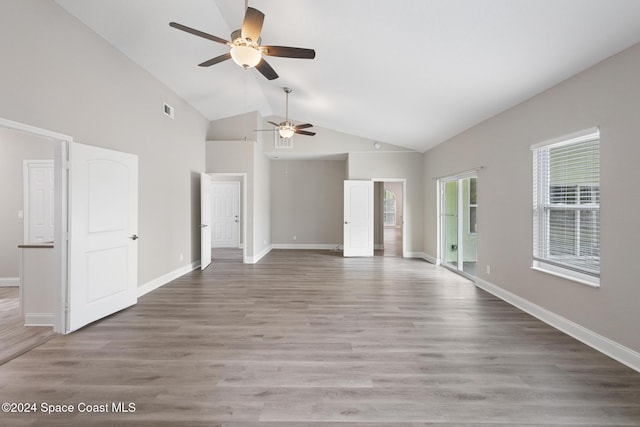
{"x":168,"y":110}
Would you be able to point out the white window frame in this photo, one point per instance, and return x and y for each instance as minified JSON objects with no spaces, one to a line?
{"x":472,"y":205}
{"x":390,"y":212}
{"x":542,"y":209}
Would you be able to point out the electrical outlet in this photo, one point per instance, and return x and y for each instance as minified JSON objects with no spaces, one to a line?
{"x":181,"y":257}
{"x":488,"y":269}
{"x":294,"y":237}
{"x":20,"y":214}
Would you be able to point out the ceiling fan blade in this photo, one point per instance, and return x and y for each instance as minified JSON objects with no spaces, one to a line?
{"x":266,"y":70}
{"x":289,"y":52}
{"x":275,"y":124}
{"x":198,"y":33}
{"x":252,"y":25}
{"x":304,"y":132}
{"x":304,"y":126}
{"x":215,"y":60}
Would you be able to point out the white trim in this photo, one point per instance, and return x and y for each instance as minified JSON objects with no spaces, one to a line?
{"x":616,"y":351}
{"x":421,"y":255}
{"x":38,"y":319}
{"x":405,"y":213}
{"x":32,"y":130}
{"x":565,"y":273}
{"x":9,"y":281}
{"x":430,"y":258}
{"x":569,"y":138}
{"x":258,"y":257}
{"x":319,"y":246}
{"x":158,"y":282}
{"x":243,"y":209}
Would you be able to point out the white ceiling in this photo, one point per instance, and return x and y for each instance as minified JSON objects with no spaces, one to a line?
{"x":407,"y":72}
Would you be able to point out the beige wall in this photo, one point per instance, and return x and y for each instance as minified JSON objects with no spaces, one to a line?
{"x":235,"y":157}
{"x":15,"y":147}
{"x":262,"y":200}
{"x":608,"y":96}
{"x":58,"y":75}
{"x":245,"y":156}
{"x":307,"y":201}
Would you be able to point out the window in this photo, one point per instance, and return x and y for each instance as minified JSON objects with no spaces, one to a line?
{"x":389,"y":207}
{"x":566,"y":207}
{"x":473,"y":206}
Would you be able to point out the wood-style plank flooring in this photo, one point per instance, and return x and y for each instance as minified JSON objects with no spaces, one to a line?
{"x":308,"y":338}
{"x":15,"y":338}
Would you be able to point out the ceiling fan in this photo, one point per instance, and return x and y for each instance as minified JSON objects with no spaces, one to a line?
{"x":246,"y":50}
{"x":286,"y":129}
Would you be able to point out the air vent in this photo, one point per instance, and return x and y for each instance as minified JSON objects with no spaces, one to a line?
{"x":282,"y":143}
{"x":168,"y":110}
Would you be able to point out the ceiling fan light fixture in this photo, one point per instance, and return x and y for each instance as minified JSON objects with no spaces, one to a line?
{"x":286,"y":131}
{"x":245,"y":56}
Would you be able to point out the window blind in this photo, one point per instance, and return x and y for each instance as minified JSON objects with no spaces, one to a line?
{"x":567,"y":204}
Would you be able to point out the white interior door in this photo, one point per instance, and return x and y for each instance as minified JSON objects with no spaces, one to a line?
{"x":205,"y":220}
{"x":358,"y":218}
{"x":103,"y":247}
{"x":225,"y":221}
{"x":38,"y":201}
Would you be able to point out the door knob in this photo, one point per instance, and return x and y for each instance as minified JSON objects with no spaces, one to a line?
{"x":204,"y":225}
{"x":134,"y":237}
{"x":346,"y":222}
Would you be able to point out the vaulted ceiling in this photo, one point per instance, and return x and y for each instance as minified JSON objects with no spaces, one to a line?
{"x":407,"y":72}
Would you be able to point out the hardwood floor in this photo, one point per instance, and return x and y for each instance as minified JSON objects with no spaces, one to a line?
{"x":308,"y":338}
{"x":15,"y":338}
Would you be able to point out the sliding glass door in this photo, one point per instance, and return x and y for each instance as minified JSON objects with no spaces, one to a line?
{"x":458,"y":223}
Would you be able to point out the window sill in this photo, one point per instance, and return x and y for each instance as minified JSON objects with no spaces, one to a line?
{"x":583,"y":279}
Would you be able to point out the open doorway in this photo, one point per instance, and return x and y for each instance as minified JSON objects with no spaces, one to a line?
{"x":458,"y":226}
{"x":389,"y":202}
{"x":26,"y":219}
{"x":228,"y":228}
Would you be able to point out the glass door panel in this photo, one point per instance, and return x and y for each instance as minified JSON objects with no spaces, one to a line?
{"x":458,"y":225}
{"x":450,"y":224}
{"x":469,"y":229}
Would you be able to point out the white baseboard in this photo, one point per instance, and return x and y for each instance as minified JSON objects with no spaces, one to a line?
{"x":38,"y":319}
{"x":9,"y":281}
{"x":421,"y":255}
{"x":320,"y":246}
{"x":616,"y":351}
{"x":166,"y":278}
{"x":255,"y":259}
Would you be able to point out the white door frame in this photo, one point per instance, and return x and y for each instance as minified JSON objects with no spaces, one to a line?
{"x":236,"y":185}
{"x":243,"y":208}
{"x":440,"y":207}
{"x":205,"y":221}
{"x":404,"y":207}
{"x":61,"y":171}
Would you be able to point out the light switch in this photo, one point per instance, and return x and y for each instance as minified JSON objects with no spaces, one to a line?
{"x":20,"y":214}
